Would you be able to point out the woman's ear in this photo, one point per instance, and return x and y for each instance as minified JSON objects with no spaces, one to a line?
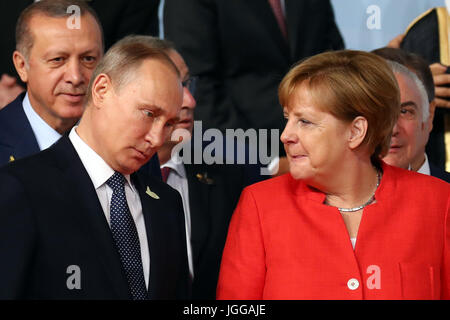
{"x":358,"y":131}
{"x":101,"y":87}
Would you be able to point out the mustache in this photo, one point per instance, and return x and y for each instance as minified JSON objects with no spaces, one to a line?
{"x":76,"y":91}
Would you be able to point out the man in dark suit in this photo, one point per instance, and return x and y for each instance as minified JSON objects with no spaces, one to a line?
{"x":77,"y":221}
{"x":209,"y":191}
{"x":56,"y":63}
{"x":240,"y":50}
{"x":412,"y":131}
{"x":119,"y":18}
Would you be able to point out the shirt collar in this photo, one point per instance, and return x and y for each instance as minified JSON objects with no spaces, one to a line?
{"x":45,"y":135}
{"x":175,"y":166}
{"x":425,"y":168}
{"x":98,"y":170}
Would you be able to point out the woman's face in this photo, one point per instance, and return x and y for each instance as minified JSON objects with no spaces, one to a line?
{"x":314,"y":140}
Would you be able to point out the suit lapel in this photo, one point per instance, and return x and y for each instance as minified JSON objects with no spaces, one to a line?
{"x":18,"y":134}
{"x":92,"y":219}
{"x":156,"y":226}
{"x":199,"y":198}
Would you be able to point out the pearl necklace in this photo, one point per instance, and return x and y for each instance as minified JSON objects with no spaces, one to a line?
{"x":372,"y":198}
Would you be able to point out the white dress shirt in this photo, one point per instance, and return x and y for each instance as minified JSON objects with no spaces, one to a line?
{"x":45,"y":135}
{"x":425,"y":168}
{"x":99,"y":172}
{"x":177,"y":179}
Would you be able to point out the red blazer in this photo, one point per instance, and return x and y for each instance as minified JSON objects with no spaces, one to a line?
{"x":284,"y":243}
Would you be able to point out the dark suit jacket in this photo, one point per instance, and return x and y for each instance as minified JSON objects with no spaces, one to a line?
{"x":16,"y":136}
{"x":51,"y":218}
{"x":214,"y":191}
{"x":439,"y":173}
{"x":237,"y":50}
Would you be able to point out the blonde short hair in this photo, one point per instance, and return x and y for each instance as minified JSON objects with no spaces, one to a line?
{"x":349,"y":84}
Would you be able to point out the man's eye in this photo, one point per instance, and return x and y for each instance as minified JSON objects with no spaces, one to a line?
{"x":90,"y":59}
{"x":407,"y":113}
{"x":57,"y":59}
{"x":148,"y":113}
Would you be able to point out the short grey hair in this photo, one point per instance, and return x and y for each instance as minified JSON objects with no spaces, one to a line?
{"x":125,"y":57}
{"x":401,"y":69}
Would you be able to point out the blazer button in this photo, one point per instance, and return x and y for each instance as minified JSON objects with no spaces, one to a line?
{"x":353,"y":284}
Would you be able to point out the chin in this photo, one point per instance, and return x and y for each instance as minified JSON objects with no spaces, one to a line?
{"x":298,"y":173}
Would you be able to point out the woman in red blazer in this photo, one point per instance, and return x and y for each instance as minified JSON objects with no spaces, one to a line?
{"x":342,"y":224}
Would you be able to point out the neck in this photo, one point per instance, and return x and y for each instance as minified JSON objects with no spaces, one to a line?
{"x":418,"y":162}
{"x":353,"y":186}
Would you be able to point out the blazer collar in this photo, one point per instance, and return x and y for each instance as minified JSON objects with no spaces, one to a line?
{"x":300,"y":188}
{"x":17,"y":134}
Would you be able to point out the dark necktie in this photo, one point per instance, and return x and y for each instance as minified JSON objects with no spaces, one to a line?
{"x":278,"y":12}
{"x":165,"y":173}
{"x":126,"y":237}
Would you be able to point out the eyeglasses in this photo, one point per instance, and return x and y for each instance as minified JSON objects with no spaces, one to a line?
{"x":190,"y":84}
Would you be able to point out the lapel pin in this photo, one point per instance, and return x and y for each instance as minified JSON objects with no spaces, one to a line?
{"x":203,"y":178}
{"x":11,"y":159}
{"x":151,"y":193}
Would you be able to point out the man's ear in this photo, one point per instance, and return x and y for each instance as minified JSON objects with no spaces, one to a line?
{"x":358,"y":131}
{"x":101,"y":87}
{"x":431,"y":116}
{"x":21,"y":65}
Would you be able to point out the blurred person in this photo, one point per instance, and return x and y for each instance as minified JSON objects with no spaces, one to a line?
{"x":411,"y":133}
{"x":427,"y":36}
{"x":77,"y":220}
{"x":343,"y":224}
{"x":210,"y":192}
{"x":240,"y":51}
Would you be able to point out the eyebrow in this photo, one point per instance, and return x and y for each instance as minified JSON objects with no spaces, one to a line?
{"x":158,"y":110}
{"x":409,"y":104}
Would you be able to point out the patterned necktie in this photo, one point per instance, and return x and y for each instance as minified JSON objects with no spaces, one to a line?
{"x":165,"y":173}
{"x":278,"y":12}
{"x":126,"y":237}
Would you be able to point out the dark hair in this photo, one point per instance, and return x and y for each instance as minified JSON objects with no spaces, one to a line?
{"x":49,"y":8}
{"x":413,"y":62}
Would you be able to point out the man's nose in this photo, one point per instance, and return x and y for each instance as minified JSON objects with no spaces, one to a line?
{"x":188,"y":99}
{"x":73,"y":73}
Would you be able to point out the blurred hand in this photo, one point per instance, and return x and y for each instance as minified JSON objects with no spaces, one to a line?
{"x":440,"y":79}
{"x":9,"y":89}
{"x":395,"y":43}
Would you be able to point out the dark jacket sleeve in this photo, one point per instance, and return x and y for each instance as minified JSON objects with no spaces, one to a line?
{"x":17,"y":233}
